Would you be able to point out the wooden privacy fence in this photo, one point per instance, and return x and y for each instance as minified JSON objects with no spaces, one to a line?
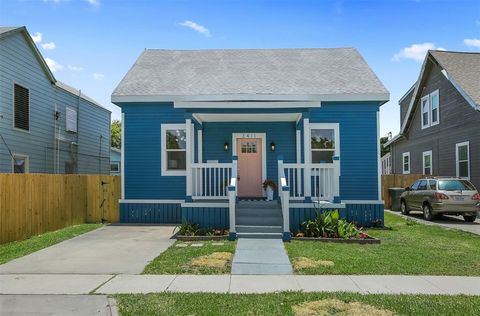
{"x":394,"y":181}
{"x":31,"y":204}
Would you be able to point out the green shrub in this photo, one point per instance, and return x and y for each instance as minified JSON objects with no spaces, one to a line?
{"x":329,"y":225}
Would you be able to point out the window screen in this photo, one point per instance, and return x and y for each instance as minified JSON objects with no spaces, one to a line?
{"x":21,"y":107}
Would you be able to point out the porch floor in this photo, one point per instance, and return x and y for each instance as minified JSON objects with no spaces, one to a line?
{"x":261,"y":256}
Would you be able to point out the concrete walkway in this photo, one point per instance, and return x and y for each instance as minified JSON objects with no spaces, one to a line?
{"x":365,"y":284}
{"x":261,"y":256}
{"x":57,"y":305}
{"x":108,"y":250}
{"x":449,"y":222}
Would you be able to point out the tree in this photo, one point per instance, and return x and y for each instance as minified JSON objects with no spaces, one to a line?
{"x":116,"y":134}
{"x":384,"y":150}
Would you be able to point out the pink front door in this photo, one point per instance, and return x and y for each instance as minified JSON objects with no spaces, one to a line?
{"x":249,"y":152}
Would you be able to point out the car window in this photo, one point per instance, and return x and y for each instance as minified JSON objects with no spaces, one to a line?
{"x":422,"y":185}
{"x":455,"y":185}
{"x":432,"y":184}
{"x":415,"y":185}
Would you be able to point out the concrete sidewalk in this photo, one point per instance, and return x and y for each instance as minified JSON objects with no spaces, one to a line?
{"x":57,"y":305}
{"x":365,"y":284}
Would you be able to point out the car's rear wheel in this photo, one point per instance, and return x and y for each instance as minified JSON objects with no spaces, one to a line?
{"x":470,"y":218}
{"x":427,"y":212}
{"x":404,"y":208}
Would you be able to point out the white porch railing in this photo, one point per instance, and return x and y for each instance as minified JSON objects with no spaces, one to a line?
{"x":320,"y":181}
{"x":210,"y":180}
{"x":386,"y":163}
{"x":284,"y":195}
{"x":232,"y":199}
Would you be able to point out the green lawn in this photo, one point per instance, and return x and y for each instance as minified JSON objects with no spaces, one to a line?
{"x":408,"y":248}
{"x":178,"y":260}
{"x":281,"y":303}
{"x":21,"y":248}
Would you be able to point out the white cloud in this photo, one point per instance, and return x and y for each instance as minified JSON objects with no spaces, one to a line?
{"x":196,"y":27}
{"x":94,"y":2}
{"x":473,"y":42}
{"x":415,"y":52}
{"x":98,"y":76}
{"x":37,"y":37}
{"x":49,"y":46}
{"x":53,"y":65}
{"x":75,"y":68}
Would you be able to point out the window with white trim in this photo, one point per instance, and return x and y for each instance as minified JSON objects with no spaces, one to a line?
{"x":115,"y":166}
{"x":435,"y":108}
{"x":174,"y":149}
{"x":71,"y":120}
{"x":463,"y":160}
{"x":430,"y":108}
{"x":427,"y":163}
{"x":324,"y":142}
{"x":425,"y":111}
{"x":406,"y":163}
{"x":20,"y":164}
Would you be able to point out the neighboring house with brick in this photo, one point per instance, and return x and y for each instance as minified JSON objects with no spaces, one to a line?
{"x":46,"y":126}
{"x":440,"y":119}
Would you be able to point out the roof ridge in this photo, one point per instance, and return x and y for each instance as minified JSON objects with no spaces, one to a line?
{"x":250,"y":49}
{"x":453,"y":52}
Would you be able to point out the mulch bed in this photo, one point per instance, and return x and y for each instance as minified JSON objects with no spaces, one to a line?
{"x":369,"y":240}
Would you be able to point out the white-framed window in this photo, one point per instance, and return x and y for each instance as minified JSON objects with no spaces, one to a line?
{"x":427,"y":163}
{"x":434,"y":108}
{"x":430,"y":108}
{"x":21,"y":107}
{"x":324,"y":142}
{"x":174,"y":149}
{"x":462,"y":155}
{"x":406,"y":163}
{"x":115,"y":166}
{"x":425,"y":102}
{"x":20,"y":163}
{"x":71,"y":120}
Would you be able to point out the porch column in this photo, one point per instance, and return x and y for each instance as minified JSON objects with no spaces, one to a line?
{"x":189,"y":154}
{"x":307,"y":159}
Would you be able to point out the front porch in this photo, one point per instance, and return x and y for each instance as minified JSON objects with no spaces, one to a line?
{"x":219,"y":162}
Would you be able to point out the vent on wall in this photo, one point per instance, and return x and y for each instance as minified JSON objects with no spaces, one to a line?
{"x":21,"y":107}
{"x":71,"y":120}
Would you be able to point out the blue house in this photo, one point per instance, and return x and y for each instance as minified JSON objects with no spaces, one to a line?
{"x":203,"y":129}
{"x":46,"y":126}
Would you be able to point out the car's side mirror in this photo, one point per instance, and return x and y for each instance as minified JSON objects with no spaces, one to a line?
{"x":408,"y":189}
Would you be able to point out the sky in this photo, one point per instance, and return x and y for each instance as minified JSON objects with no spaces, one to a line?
{"x":91,"y":44}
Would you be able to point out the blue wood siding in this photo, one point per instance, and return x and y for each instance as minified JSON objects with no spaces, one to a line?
{"x":143,"y":179}
{"x":206,"y":217}
{"x":364,"y":215}
{"x":358,"y":146}
{"x":19,"y":64}
{"x":150,"y":213}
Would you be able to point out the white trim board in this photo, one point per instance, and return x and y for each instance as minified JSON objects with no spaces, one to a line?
{"x":363,"y":201}
{"x":380,"y":97}
{"x":247,"y":117}
{"x":205,"y":204}
{"x":133,"y":201}
{"x":122,"y":157}
{"x":263,"y":136}
{"x":317,"y":205}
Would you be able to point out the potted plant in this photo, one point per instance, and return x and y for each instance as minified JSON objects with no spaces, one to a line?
{"x":269,"y":186}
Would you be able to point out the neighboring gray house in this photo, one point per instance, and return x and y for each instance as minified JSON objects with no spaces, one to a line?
{"x":440,"y":119}
{"x":46,"y":126}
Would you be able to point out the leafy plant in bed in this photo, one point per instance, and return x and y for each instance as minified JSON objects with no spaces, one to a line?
{"x":328,"y":226}
{"x":188,"y":231}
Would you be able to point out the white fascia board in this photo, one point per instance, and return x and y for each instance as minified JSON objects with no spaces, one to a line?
{"x":247,"y":117}
{"x":205,"y":204}
{"x":407,"y":93}
{"x":377,"y":97}
{"x":139,"y":201}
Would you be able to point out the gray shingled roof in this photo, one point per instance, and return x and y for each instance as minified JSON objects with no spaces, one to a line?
{"x":331,"y":71}
{"x":5,"y":29}
{"x":464,"y":68}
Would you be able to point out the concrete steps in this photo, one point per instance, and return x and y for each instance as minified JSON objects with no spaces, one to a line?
{"x":259,"y":219}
